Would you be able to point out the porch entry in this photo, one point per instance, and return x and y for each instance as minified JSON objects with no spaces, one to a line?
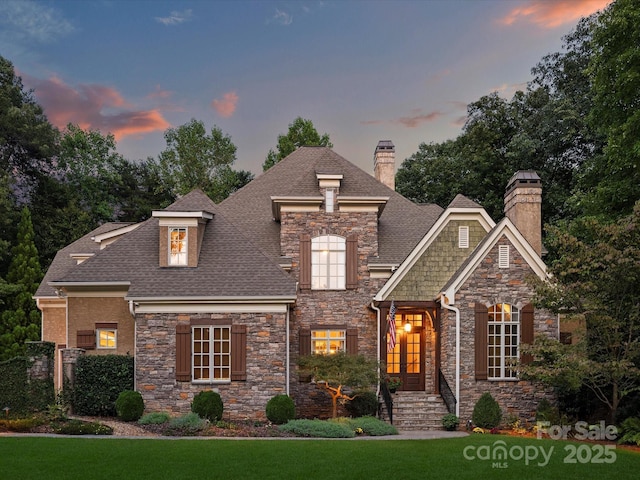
{"x":407,"y":359}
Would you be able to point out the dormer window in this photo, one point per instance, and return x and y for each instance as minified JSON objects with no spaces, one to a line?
{"x":329,"y":200}
{"x":178,"y":246}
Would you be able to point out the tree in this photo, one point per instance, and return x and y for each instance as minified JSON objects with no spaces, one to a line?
{"x":596,"y":277}
{"x":611,"y":186}
{"x":301,"y":133}
{"x":195,"y":159}
{"x":340,"y":373}
{"x":21,"y":320}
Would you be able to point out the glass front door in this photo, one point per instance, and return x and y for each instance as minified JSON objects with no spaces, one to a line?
{"x":406,"y":360}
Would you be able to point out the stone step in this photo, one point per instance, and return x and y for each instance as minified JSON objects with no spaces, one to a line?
{"x":417,"y":411}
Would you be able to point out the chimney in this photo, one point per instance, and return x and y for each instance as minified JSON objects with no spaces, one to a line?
{"x":384,"y":163}
{"x":523,"y":206}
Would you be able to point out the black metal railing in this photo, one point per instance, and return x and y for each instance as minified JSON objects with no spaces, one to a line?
{"x":388,"y":401}
{"x":446,"y":393}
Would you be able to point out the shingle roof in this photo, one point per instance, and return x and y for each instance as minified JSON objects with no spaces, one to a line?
{"x":401,"y":225}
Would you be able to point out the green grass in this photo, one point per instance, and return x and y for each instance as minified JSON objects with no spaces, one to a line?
{"x":113,"y":458}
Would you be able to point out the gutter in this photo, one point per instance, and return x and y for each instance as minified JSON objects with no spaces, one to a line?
{"x":443,"y":300}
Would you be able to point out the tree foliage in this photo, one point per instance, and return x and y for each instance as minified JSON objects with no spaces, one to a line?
{"x":301,"y":133}
{"x":195,"y":159}
{"x":340,"y":374}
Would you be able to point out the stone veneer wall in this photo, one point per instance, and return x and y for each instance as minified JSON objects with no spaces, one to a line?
{"x":265,"y":362}
{"x":348,"y":308}
{"x":490,"y":285}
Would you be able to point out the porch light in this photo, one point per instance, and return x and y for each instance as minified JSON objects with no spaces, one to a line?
{"x":407,"y":327}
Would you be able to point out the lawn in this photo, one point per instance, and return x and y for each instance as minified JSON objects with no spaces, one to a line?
{"x":112,"y":458}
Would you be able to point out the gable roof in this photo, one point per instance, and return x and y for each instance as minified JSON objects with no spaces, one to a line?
{"x":401,"y":225}
{"x":229,"y":265}
{"x":504,"y":228}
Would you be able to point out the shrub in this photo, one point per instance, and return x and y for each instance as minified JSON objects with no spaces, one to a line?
{"x":280,"y":409}
{"x":318,"y":428}
{"x":450,"y":422}
{"x":208,"y":404}
{"x":129,"y":406}
{"x":21,"y":425}
{"x":78,"y":427}
{"x":188,"y":424}
{"x":630,"y":431}
{"x":155,"y":418}
{"x":486,"y":412}
{"x":371,"y":426}
{"x":364,"y":404}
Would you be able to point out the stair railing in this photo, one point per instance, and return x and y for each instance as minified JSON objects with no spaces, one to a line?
{"x":388,"y":401}
{"x":446,"y":393}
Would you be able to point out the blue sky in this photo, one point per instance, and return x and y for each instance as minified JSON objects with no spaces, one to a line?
{"x":361,"y":71}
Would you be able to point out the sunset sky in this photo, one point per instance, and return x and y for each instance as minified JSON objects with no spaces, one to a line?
{"x":361,"y":71}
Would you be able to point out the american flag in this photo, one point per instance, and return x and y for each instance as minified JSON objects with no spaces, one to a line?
{"x":391,"y":319}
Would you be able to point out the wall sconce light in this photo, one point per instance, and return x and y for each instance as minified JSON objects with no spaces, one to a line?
{"x":407,"y":327}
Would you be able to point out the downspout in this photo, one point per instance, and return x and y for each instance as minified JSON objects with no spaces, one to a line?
{"x":287,"y":371}
{"x":443,"y":299}
{"x":377,"y":343}
{"x":132,"y":311}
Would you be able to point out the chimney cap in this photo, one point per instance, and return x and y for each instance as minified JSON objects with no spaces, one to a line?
{"x":524,"y":177}
{"x":385,"y":145}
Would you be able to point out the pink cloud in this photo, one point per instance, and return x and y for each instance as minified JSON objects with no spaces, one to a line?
{"x":227,"y":105}
{"x":159,"y":93}
{"x":93,"y":107}
{"x":417,"y":118}
{"x":547,"y":14}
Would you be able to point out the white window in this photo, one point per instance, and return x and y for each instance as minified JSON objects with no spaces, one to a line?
{"x":328,"y":255}
{"x":504,"y":337}
{"x":503,"y":256}
{"x":177,"y":246}
{"x":328,"y":341}
{"x":107,"y":338}
{"x":211,"y":358}
{"x":329,"y":200}
{"x":463,"y":237}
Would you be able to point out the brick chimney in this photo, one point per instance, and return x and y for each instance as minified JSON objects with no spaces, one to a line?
{"x":523,"y":206}
{"x":384,"y":163}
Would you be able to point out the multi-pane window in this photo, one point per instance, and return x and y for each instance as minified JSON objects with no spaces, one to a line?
{"x":107,"y":337}
{"x":328,"y":341}
{"x":328,"y":255}
{"x":211,"y":359}
{"x":504,"y":336}
{"x":177,"y":246}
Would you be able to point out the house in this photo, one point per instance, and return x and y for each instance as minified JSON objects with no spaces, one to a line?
{"x":311,"y":256}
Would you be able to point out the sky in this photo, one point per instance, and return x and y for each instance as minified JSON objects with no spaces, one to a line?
{"x":361,"y":71}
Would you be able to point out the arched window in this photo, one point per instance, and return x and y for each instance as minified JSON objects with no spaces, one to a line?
{"x":328,"y":262}
{"x":503,"y":340}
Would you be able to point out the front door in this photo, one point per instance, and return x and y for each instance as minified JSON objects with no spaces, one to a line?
{"x":407,"y":359}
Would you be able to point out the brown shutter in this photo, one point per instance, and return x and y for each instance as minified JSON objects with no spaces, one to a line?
{"x":526,"y":329}
{"x":305,"y":342}
{"x":86,"y":339}
{"x":183,"y":353}
{"x":352,"y":261}
{"x":238,"y":352}
{"x":305,"y":262}
{"x":352,"y":341}
{"x":482,"y":320}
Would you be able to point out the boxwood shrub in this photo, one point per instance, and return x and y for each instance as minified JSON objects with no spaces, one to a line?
{"x":280,"y":409}
{"x":208,"y":404}
{"x":486,"y":412}
{"x":129,"y":406}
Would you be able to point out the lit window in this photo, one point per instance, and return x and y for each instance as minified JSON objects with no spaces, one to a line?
{"x":463,"y":237}
{"x":211,"y":354}
{"x":504,"y":337}
{"x":328,"y":341}
{"x":178,"y":246}
{"x":328,"y":254}
{"x":107,"y":338}
{"x":503,"y":256}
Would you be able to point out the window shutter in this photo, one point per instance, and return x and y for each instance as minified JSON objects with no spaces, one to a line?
{"x":305,"y":262}
{"x":238,"y":352}
{"x":482,"y":320}
{"x":305,"y":342}
{"x":183,"y":353}
{"x":352,"y":341}
{"x":86,"y":339}
{"x":352,"y":262}
{"x":526,"y":329}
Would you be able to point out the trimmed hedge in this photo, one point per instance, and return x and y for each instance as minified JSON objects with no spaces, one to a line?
{"x":208,"y":404}
{"x":129,"y":406}
{"x":99,"y":379}
{"x":280,"y":409}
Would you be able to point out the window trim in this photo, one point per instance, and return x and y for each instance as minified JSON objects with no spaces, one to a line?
{"x":185,"y":241}
{"x":211,"y":354}
{"x":502,"y":357}
{"x":328,"y":339}
{"x":99,"y":345}
{"x":336,"y":258}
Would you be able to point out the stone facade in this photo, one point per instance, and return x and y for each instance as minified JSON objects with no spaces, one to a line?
{"x":489,"y":285}
{"x":265,"y":364}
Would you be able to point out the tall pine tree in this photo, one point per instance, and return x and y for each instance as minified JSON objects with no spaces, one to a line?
{"x":21,"y":318}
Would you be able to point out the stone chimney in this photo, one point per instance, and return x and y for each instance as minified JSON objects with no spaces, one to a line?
{"x":523,"y":206}
{"x":384,"y":163}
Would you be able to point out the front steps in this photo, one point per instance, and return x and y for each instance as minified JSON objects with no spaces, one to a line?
{"x":416,"y":411}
